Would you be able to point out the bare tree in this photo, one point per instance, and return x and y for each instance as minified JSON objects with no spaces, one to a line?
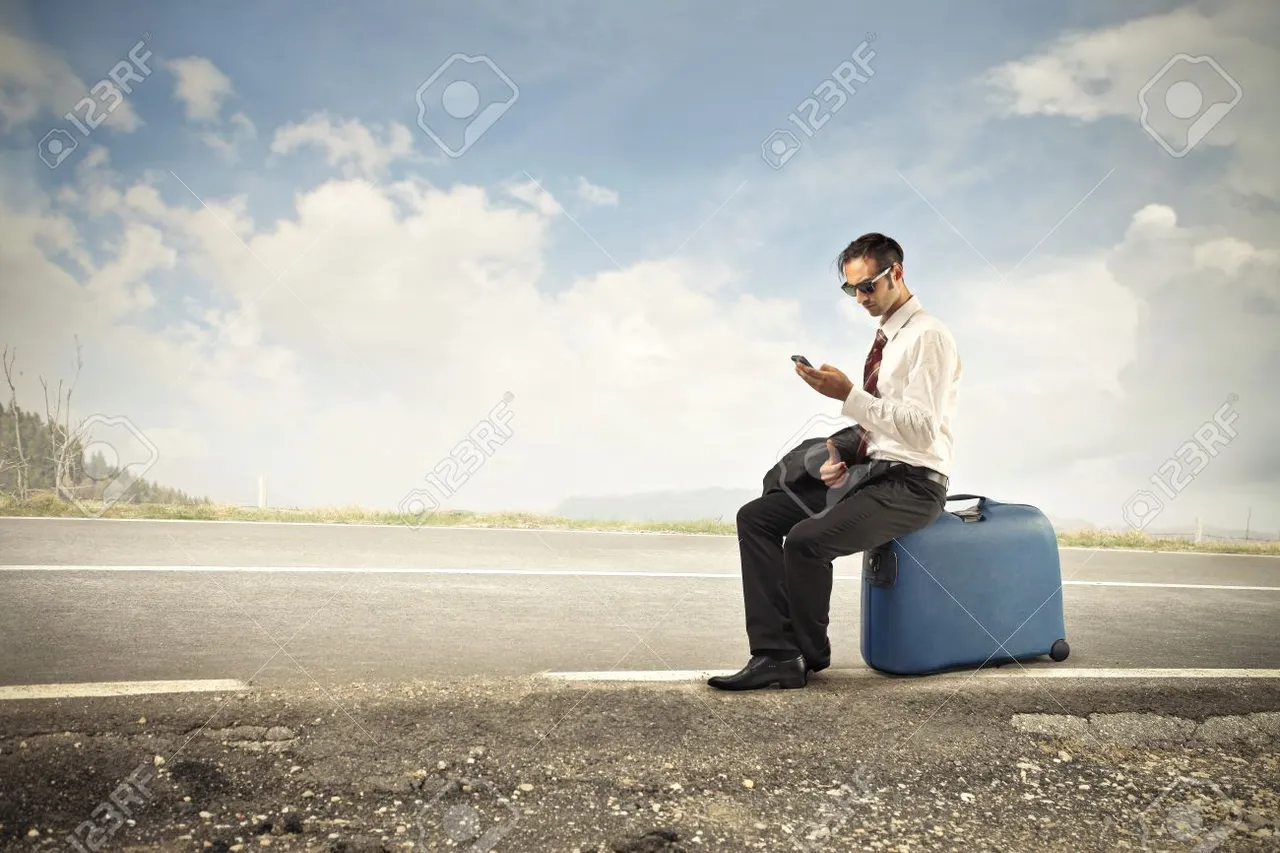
{"x":21,"y":462}
{"x":60,"y":435}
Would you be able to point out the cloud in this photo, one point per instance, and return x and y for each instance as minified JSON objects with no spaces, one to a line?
{"x":1230,"y":255}
{"x":533,"y":193}
{"x":228,"y":142}
{"x":1092,"y":75}
{"x":200,"y":86}
{"x":203,"y":89}
{"x":1112,"y":362}
{"x":36,"y":83}
{"x":350,"y":145}
{"x":596,"y":195}
{"x":419,"y":307}
{"x":414,"y":308}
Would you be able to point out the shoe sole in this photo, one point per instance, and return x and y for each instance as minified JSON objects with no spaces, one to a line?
{"x":783,"y":683}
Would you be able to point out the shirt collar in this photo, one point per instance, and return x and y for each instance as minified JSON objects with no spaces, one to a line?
{"x":900,"y":317}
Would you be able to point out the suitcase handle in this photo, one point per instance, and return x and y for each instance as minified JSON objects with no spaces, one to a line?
{"x":880,"y":567}
{"x":973,"y":513}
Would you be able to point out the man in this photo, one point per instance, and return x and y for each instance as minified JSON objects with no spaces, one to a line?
{"x":905,"y":405}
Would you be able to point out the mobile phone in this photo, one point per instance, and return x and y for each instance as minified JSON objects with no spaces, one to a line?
{"x":799,"y":359}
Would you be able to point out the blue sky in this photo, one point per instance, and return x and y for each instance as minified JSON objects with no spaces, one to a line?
{"x":665,"y":105}
{"x":668,"y":105}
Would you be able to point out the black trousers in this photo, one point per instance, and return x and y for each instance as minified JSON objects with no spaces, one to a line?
{"x":787,"y":552}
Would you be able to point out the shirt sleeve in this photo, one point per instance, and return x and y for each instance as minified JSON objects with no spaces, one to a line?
{"x":915,"y":419}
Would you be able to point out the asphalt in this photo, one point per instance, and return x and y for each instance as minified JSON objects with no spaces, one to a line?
{"x":381,"y":611}
{"x":76,"y":541}
{"x":396,"y":699}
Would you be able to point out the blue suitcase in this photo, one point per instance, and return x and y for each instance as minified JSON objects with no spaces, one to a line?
{"x":976,"y":587}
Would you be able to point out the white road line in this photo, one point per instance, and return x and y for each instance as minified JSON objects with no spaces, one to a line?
{"x":577,"y":573}
{"x":395,"y":570}
{"x":640,"y":675}
{"x":1172,"y":585}
{"x":119,"y":688}
{"x":1050,"y":671}
{"x":1047,"y":671}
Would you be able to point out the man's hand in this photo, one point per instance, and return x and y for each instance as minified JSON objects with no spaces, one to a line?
{"x":826,"y":380}
{"x":833,"y":471}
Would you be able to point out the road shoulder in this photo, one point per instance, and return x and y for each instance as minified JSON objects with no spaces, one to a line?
{"x":930,"y":763}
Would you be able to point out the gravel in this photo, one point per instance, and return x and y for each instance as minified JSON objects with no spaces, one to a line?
{"x":530,"y":765}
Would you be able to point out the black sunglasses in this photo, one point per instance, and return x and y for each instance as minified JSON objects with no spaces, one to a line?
{"x":866,"y":285}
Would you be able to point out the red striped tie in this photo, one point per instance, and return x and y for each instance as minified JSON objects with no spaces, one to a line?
{"x":870,"y":383}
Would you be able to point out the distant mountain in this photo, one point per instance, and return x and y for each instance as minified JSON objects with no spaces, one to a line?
{"x":696,"y":505}
{"x":691,"y":505}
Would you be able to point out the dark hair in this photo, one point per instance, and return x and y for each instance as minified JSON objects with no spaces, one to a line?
{"x":883,"y":250}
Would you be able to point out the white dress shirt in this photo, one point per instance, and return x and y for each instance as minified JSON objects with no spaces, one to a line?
{"x":911,"y":419}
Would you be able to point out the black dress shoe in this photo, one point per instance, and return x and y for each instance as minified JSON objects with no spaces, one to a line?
{"x":763,"y":671}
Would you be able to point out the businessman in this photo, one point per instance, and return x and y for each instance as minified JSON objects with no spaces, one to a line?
{"x":905,"y":406}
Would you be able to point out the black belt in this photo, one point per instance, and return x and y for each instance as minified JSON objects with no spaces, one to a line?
{"x":879,"y":466}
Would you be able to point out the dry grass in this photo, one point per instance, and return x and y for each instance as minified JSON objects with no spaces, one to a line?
{"x":1142,"y":541}
{"x":49,"y":506}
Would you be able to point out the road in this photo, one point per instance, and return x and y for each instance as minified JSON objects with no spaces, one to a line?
{"x":273,"y":604}
{"x":332,"y":720}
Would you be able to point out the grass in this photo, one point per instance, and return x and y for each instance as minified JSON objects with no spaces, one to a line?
{"x":48,"y":505}
{"x":1138,"y":540}
{"x":45,"y":504}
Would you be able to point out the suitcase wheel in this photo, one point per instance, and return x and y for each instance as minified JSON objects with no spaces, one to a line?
{"x":1059,"y":650}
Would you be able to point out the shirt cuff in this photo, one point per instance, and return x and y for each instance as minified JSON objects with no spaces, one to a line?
{"x":857,"y":405}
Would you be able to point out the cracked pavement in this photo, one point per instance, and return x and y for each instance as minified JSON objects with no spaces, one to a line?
{"x":843,"y":765}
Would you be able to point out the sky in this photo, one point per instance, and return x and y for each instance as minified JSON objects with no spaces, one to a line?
{"x":547,"y":252}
